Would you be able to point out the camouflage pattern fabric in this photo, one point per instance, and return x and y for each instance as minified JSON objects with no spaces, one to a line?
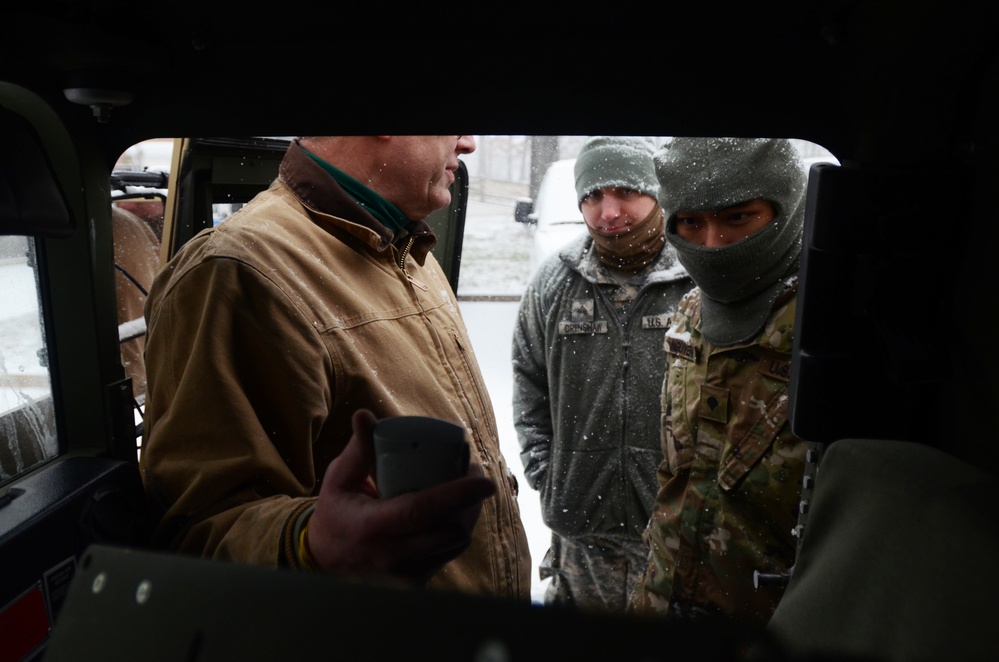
{"x":593,"y":572}
{"x":730,"y":481}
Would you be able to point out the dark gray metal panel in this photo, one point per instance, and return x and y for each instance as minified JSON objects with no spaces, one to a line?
{"x":131,"y":605}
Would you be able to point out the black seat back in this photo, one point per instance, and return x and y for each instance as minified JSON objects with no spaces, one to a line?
{"x":898,"y":559}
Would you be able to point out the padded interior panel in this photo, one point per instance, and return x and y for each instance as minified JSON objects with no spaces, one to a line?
{"x":31,"y":202}
{"x":898,"y":559}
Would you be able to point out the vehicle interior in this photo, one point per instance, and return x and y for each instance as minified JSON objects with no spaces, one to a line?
{"x":895,"y":368}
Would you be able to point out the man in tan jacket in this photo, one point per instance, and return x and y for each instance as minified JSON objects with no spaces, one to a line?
{"x":275,"y":342}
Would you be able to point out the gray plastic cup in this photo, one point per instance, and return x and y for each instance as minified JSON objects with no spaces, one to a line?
{"x":416,"y":452}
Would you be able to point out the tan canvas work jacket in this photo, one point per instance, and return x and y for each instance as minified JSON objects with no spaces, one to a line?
{"x":266,"y":334}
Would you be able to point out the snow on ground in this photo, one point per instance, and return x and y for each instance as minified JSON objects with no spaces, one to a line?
{"x":495,"y":261}
{"x":490,"y":325}
{"x":23,"y":378}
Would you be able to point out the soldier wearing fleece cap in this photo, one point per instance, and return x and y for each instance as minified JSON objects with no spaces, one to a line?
{"x":588,"y":367}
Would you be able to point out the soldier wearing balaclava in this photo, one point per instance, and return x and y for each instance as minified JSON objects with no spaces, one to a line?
{"x":729,"y":489}
{"x":588,"y":368}
{"x":738,"y":282}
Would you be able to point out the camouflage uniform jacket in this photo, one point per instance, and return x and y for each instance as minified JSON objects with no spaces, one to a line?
{"x":730,"y":482}
{"x":585,"y":382}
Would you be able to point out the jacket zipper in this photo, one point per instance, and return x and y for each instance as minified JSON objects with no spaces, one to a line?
{"x":403,"y":254}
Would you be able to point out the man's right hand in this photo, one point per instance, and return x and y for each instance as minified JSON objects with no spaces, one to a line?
{"x":354,"y":533}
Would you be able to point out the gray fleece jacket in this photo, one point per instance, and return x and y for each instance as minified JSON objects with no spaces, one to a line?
{"x":587,"y":384}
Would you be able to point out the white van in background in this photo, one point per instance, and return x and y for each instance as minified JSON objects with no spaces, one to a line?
{"x":555,"y":213}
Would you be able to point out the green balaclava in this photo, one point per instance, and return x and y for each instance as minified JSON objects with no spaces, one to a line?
{"x":625,"y":162}
{"x":739,"y":282}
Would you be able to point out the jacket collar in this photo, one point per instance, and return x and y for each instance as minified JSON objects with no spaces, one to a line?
{"x":321,"y":195}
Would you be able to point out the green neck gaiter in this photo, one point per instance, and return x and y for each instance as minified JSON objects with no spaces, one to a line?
{"x":388,"y":214}
{"x":632,"y":250}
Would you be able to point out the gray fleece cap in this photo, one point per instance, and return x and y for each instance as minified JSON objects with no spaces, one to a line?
{"x":609,"y":161}
{"x":696,"y":174}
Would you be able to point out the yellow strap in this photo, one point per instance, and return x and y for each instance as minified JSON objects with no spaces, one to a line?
{"x":304,"y":557}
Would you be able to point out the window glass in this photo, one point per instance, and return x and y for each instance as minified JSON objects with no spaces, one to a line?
{"x":27,"y":418}
{"x":137,"y":223}
{"x":138,"y":202}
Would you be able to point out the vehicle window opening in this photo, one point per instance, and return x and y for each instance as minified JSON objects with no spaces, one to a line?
{"x":27,"y":416}
{"x":137,"y":210}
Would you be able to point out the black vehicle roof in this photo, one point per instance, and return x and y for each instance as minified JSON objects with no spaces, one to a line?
{"x":852,"y":76}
